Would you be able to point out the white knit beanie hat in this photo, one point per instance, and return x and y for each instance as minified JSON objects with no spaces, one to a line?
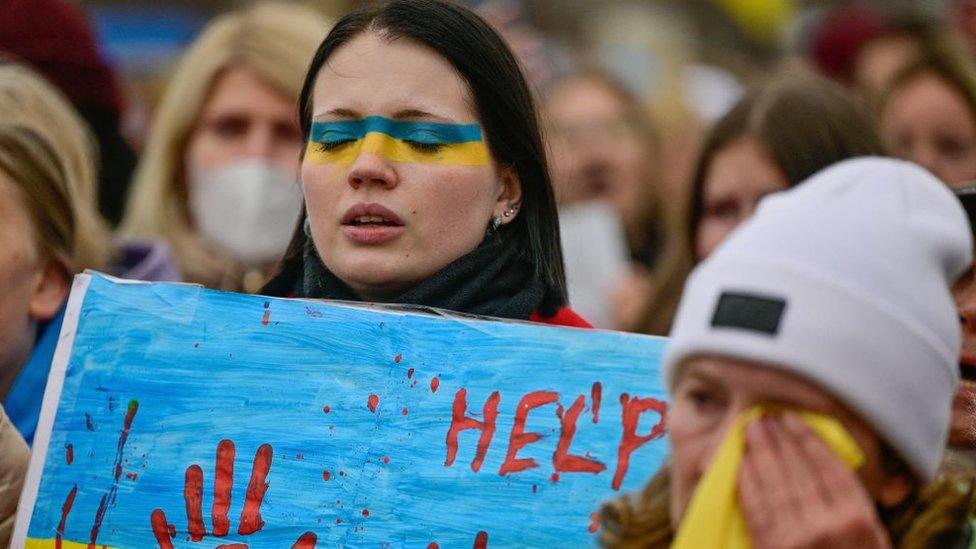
{"x":845,"y":281}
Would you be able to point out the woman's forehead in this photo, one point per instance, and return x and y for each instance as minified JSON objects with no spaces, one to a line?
{"x":372,"y":74}
{"x":758,"y":380}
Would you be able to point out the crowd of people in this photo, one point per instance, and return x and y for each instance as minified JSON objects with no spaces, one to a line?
{"x":813,"y":264}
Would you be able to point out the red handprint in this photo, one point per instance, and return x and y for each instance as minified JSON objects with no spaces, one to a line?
{"x":250,"y":522}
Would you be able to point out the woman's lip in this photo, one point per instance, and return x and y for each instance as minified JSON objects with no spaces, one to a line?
{"x":370,"y":209}
{"x":372,"y":234}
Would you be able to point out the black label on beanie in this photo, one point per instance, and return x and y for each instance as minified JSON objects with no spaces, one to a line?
{"x":749,"y":312}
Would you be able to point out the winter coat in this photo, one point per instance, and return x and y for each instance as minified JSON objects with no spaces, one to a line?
{"x":14,"y":457}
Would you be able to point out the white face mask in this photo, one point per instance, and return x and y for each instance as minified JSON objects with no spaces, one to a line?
{"x":247,"y":208}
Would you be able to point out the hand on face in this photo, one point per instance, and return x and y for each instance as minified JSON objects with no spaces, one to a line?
{"x":795,"y":493}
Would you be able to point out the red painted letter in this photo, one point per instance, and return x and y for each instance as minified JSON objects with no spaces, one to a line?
{"x":632,"y":410}
{"x":519,"y":438}
{"x":461,"y":423}
{"x":562,"y":460}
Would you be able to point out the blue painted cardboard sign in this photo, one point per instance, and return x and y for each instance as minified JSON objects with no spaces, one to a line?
{"x":177,"y":416}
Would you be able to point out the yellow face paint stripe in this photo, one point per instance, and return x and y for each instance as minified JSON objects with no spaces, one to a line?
{"x":472,"y":153}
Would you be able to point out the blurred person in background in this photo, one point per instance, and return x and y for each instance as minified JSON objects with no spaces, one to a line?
{"x":55,"y":38}
{"x":55,"y":156}
{"x":960,"y":457}
{"x":810,"y":372}
{"x":218,"y":179}
{"x":928,"y":115}
{"x":777,"y":135}
{"x":604,"y":149}
{"x":863,"y":48}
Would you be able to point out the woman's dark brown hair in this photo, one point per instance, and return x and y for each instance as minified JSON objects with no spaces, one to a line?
{"x":804,"y":122}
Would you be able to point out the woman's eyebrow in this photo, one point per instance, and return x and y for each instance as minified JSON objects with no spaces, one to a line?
{"x":339,"y":113}
{"x":407,"y":114}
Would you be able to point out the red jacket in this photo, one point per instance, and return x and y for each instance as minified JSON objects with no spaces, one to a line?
{"x":563,"y":317}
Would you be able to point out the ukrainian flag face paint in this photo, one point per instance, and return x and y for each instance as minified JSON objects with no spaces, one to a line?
{"x":341,"y":142}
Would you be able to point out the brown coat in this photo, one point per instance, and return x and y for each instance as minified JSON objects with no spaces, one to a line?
{"x":14,"y":456}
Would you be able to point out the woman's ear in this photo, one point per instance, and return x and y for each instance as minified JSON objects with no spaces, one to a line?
{"x":509,"y":196}
{"x":50,"y":290}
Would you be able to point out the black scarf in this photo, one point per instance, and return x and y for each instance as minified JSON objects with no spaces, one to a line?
{"x":492,"y":280}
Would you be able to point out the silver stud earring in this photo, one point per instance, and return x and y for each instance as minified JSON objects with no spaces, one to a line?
{"x":307,"y":228}
{"x":495,"y":223}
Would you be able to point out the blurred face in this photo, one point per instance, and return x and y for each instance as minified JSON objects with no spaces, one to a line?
{"x":33,"y":288}
{"x":597,"y":152}
{"x":712,"y":392}
{"x":927,"y":121}
{"x":245,"y":118}
{"x":878,"y":62}
{"x":398,"y":179}
{"x":739,"y":175}
{"x":962,"y":432}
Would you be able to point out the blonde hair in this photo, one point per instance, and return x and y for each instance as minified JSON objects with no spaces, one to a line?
{"x":49,"y":154}
{"x":277,"y":41}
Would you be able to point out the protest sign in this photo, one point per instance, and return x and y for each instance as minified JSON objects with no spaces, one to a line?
{"x":177,"y":416}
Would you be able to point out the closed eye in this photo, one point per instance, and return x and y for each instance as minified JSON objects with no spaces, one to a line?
{"x":424,"y":147}
{"x":326,"y":146}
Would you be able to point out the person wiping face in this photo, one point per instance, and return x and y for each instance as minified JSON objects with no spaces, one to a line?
{"x":811,"y":369}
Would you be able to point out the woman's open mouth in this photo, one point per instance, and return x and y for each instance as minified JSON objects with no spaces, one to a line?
{"x":371,"y":224}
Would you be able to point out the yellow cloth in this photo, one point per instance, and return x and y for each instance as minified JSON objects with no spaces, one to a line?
{"x":713,"y":518}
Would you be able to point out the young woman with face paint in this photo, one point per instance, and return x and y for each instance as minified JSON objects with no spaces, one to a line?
{"x":424,"y":173}
{"x":810,"y":373}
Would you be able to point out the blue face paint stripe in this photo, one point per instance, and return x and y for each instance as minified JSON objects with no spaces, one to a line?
{"x":407,"y":130}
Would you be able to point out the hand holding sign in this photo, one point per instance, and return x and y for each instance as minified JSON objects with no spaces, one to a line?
{"x":250,"y":521}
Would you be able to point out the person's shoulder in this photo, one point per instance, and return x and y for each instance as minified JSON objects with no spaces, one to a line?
{"x":563,"y":317}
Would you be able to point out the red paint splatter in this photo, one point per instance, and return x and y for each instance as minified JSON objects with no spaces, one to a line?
{"x":306,"y":541}
{"x":413,"y":384}
{"x":405,"y":411}
{"x":433,"y":545}
{"x":410,"y":373}
{"x":594,"y":523}
{"x":366,"y":513}
{"x":434,"y":384}
{"x":69,"y":501}
{"x":326,"y":476}
{"x":162,"y":531}
{"x":632,"y":410}
{"x":69,"y":454}
{"x":596,"y":395}
{"x":326,"y":409}
{"x":372,"y":402}
{"x":398,"y":358}
{"x":109,"y":497}
{"x":131,"y":476}
{"x":519,"y":438}
{"x":267,"y":313}
{"x":232,"y":546}
{"x":386,"y":459}
{"x":481,"y":540}
{"x":223,"y":483}
{"x":251,"y":515}
{"x":554,"y":477}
